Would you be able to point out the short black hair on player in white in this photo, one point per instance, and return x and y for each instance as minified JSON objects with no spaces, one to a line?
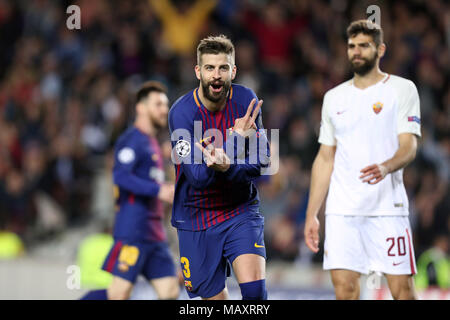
{"x":366,"y":27}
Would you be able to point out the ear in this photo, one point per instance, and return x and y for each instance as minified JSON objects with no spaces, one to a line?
{"x":233,"y":72}
{"x":197,"y":71}
{"x":381,"y":50}
{"x":139,"y":108}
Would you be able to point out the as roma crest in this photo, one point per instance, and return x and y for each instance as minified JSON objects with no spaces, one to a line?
{"x":377,"y":107}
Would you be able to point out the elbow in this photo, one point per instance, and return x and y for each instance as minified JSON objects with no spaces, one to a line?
{"x":413,"y":152}
{"x":412,"y":156}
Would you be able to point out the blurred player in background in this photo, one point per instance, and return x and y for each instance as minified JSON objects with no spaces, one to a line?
{"x":368,"y":134}
{"x":140,"y":245}
{"x":216,"y":205}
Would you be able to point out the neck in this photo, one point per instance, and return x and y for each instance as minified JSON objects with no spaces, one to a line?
{"x":210,"y":105}
{"x":145,"y":126}
{"x":373,"y":76}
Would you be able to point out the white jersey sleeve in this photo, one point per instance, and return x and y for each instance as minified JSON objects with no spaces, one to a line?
{"x":326,"y":135}
{"x":408,"y":120}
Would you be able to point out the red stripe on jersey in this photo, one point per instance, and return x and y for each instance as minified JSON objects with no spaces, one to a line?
{"x":232,"y":212}
{"x":213,"y":198}
{"x":237,"y":116}
{"x":233,"y":118}
{"x":385,"y":80}
{"x":411,"y":258}
{"x":195,"y":210}
{"x":218,"y":119}
{"x":192,"y":219}
{"x":205,"y":198}
{"x":199,"y":211}
{"x":207,"y":120}
{"x":198,"y":224}
{"x":131,"y":198}
{"x":225,"y":125}
{"x":220,"y":216}
{"x":113,"y":257}
{"x":218,"y":116}
{"x":202,"y":211}
{"x":178,"y":169}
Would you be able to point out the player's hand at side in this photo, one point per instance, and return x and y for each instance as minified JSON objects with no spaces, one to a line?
{"x":215,"y":158}
{"x":166,"y":192}
{"x":311,"y":233}
{"x":246,"y":126}
{"x":373,"y":173}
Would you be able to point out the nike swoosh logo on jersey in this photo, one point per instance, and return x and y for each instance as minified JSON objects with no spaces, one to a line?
{"x":340,"y":112}
{"x":258,"y":246}
{"x":396,"y":264}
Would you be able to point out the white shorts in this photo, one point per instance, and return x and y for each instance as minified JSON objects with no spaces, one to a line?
{"x":365,"y":244}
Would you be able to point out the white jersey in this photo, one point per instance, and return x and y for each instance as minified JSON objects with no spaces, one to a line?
{"x":364,"y":125}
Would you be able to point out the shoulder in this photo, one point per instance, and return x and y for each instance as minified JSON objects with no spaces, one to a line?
{"x":127,"y":137}
{"x":401,"y":85}
{"x":335,"y":94}
{"x":132,"y":138}
{"x":183,"y":110}
{"x":242,"y":94}
{"x":338,"y":90}
{"x":127,"y":146}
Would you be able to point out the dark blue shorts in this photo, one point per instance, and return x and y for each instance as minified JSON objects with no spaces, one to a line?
{"x":206,"y":255}
{"x":129,"y":259}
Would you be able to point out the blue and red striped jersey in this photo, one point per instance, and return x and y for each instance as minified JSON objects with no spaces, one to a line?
{"x":137,"y":173}
{"x":205,"y":197}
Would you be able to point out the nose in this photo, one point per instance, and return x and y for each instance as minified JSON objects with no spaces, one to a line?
{"x":356,"y":51}
{"x":216,"y":74}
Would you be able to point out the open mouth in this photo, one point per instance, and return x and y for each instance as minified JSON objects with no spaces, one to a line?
{"x":216,"y":87}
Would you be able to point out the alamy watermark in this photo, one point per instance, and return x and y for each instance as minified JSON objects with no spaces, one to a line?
{"x":74,"y":20}
{"x":73,"y":281}
{"x":375,"y":14}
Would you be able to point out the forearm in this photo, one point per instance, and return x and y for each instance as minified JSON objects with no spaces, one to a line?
{"x":243,"y":172}
{"x":136,"y":185}
{"x":320,"y":182}
{"x":199,"y":176}
{"x":401,"y":159}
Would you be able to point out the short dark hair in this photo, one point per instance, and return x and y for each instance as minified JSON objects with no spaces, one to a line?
{"x":148,"y":87}
{"x":366,"y":27}
{"x":215,"y":45}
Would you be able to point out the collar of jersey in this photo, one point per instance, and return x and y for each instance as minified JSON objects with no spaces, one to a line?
{"x":382,"y":81}
{"x":200,"y":104}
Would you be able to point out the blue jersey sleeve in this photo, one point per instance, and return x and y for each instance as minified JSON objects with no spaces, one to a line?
{"x":184,"y":151}
{"x":126,"y":158}
{"x":255,"y":153}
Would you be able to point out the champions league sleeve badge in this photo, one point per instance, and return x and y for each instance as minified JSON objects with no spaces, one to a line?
{"x":183,"y":148}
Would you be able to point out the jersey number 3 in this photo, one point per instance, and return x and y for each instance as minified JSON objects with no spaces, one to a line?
{"x":186,"y":271}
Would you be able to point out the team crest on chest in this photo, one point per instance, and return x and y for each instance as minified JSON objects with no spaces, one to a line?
{"x":377,"y":107}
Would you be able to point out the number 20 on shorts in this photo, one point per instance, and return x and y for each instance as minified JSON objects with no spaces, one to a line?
{"x":401,"y":246}
{"x":186,"y":271}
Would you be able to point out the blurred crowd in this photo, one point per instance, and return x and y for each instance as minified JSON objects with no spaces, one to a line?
{"x":66,"y":95}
